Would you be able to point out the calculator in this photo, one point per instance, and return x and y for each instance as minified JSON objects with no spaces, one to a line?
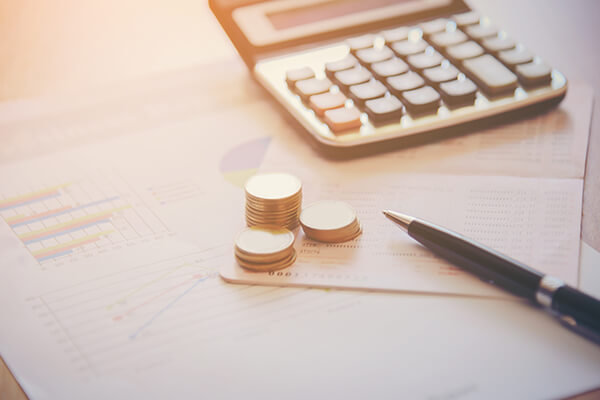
{"x":363,"y":76}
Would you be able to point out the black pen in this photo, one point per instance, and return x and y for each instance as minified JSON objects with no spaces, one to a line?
{"x":574,"y":308}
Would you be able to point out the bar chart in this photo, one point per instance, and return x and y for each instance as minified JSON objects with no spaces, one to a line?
{"x":80,"y":217}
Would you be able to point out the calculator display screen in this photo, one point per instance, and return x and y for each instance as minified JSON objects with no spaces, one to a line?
{"x":322,"y":11}
{"x":274,"y":22}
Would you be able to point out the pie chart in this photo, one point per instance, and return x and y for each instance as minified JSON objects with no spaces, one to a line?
{"x":243,"y":160}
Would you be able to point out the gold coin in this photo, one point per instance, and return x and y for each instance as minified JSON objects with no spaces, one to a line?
{"x":264,"y":241}
{"x":291,"y":217}
{"x":280,"y":206}
{"x":272,"y":214}
{"x":278,"y":209}
{"x":337,"y":239}
{"x":348,"y":230}
{"x":265,"y":267}
{"x":273,"y":186}
{"x":328,"y":215}
{"x":262,"y":258}
{"x":271,"y":225}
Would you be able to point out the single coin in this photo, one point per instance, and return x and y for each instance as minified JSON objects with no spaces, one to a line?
{"x":336,"y":238}
{"x":258,"y":217}
{"x":273,"y":186}
{"x":263,"y":258}
{"x":250,"y":210}
{"x":328,"y":215}
{"x":265,"y":267}
{"x":264,"y":240}
{"x":340,"y":235}
{"x":272,"y":225}
{"x":276,"y":206}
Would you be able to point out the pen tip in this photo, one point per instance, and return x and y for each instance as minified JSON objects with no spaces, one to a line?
{"x":400,"y":219}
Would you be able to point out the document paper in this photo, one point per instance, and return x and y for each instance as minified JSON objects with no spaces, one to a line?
{"x":117,"y":210}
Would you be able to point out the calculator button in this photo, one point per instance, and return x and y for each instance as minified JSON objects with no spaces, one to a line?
{"x":367,"y":91}
{"x":388,"y":68}
{"x":514,"y":57}
{"x":464,"y":51}
{"x":404,"y":82}
{"x":435,"y":26}
{"x":480,"y":32}
{"x":340,"y":65}
{"x":496,"y":44}
{"x":350,"y":77}
{"x":294,"y":75}
{"x":421,"y":101}
{"x":326,"y":101}
{"x":468,"y":18}
{"x":425,"y":60}
{"x":395,"y":35}
{"x":491,"y":75}
{"x":310,"y":87}
{"x":373,"y":55}
{"x":440,"y":74}
{"x":384,"y":109}
{"x":342,"y":119}
{"x":406,"y":48}
{"x":458,"y":92}
{"x":445,"y":39}
{"x":534,"y":74}
{"x":360,"y":42}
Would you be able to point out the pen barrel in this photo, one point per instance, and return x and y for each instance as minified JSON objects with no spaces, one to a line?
{"x":584,"y":309}
{"x":489,"y":265}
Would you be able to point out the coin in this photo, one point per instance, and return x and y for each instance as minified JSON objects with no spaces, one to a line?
{"x":263,"y":241}
{"x":273,"y":186}
{"x":330,"y":221}
{"x":265,"y":267}
{"x":328,"y":215}
{"x":273,"y":199}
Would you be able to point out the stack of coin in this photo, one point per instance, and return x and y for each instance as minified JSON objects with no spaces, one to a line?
{"x":330,"y":221}
{"x":265,"y":249}
{"x":273,"y":199}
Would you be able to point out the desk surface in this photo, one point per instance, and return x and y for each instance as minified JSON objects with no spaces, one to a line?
{"x":65,"y":45}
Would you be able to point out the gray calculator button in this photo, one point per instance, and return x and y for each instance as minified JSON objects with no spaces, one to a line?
{"x":294,"y":75}
{"x":350,"y":77}
{"x":445,"y":39}
{"x":406,"y":48}
{"x":468,"y":18}
{"x":480,"y":32}
{"x":458,"y":92}
{"x":392,"y":67}
{"x":497,"y":44}
{"x":373,"y":55}
{"x":464,"y":51}
{"x":491,"y":75}
{"x":360,"y":42}
{"x":404,"y":82}
{"x":420,"y":101}
{"x":384,"y":109}
{"x":310,"y":87}
{"x":340,"y":65}
{"x":534,"y":74}
{"x":367,"y":91}
{"x":434,"y":26}
{"x":395,"y":35}
{"x":514,"y":57}
{"x":440,"y":74}
{"x":425,"y":60}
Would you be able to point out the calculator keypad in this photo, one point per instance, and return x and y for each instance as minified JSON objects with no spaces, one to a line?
{"x":405,"y":73}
